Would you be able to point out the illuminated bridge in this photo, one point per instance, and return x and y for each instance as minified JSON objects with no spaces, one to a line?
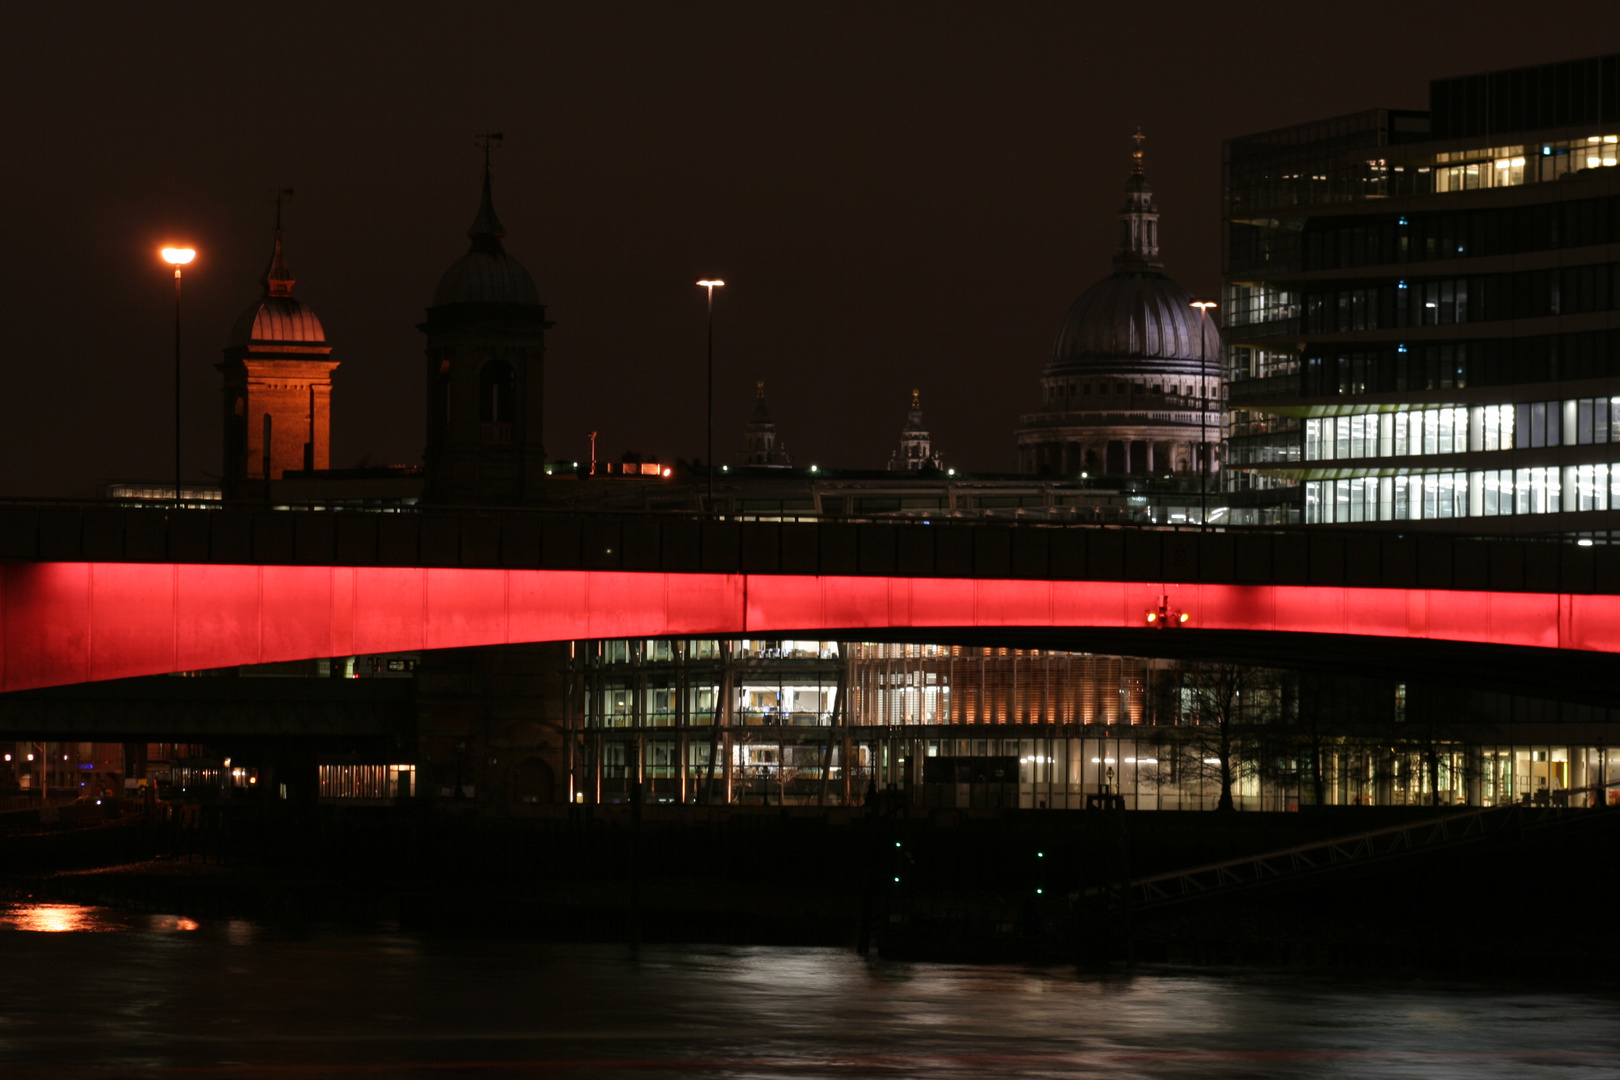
{"x":92,"y":592}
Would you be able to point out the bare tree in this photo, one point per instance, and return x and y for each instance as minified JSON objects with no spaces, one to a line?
{"x":1438,"y":722}
{"x":1328,"y":713}
{"x":1220,"y":702}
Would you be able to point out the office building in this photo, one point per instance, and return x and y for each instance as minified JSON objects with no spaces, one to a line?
{"x":1421,"y":310}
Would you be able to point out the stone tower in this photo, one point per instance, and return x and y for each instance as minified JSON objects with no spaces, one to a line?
{"x":278,"y":387}
{"x":485,"y":380}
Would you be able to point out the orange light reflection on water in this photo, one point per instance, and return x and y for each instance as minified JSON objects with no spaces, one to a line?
{"x":77,"y":918}
{"x":56,"y":918}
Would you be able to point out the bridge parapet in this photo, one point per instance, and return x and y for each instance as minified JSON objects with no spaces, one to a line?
{"x":680,"y":543}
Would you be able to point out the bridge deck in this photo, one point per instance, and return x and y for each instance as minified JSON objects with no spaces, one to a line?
{"x":683,"y":543}
{"x":93,"y":592}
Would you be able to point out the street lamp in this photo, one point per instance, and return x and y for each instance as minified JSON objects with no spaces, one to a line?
{"x":708,"y":459}
{"x":177,"y":257}
{"x":1203,"y":307}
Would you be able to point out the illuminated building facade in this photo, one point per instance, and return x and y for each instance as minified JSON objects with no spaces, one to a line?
{"x":767,"y":722}
{"x":278,"y":387}
{"x":1422,"y":309}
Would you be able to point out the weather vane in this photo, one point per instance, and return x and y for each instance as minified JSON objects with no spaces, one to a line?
{"x":281,"y":193}
{"x":489,"y":140}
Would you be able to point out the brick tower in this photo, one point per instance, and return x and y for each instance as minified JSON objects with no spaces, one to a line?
{"x":278,"y":387}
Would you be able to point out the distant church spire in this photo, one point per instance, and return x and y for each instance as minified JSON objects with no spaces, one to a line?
{"x":916,"y":450}
{"x":1138,"y":218}
{"x":760,"y":445}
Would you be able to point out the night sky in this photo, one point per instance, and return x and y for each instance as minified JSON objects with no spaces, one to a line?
{"x":899,"y":194}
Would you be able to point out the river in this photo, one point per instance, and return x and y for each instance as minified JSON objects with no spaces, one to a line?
{"x":97,"y":993}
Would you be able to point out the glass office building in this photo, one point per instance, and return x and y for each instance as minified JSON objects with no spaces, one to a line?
{"x":1422,"y":309}
{"x":822,"y":723}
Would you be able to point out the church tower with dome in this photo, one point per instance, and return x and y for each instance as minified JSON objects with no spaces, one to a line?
{"x":486,"y":335}
{"x":1133,"y":388}
{"x":278,"y":387}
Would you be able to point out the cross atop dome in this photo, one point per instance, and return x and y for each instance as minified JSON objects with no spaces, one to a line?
{"x":1136,"y":151}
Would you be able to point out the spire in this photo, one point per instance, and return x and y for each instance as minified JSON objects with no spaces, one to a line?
{"x":278,"y":279}
{"x":760,"y":445}
{"x":762,"y":414}
{"x":1138,"y":218}
{"x":916,"y":449}
{"x":914,"y":417}
{"x":486,"y":230}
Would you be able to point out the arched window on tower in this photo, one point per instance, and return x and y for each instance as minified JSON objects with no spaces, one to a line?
{"x":497,"y":402}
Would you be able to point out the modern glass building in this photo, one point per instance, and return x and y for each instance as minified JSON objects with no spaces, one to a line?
{"x":1422,"y":309}
{"x":821,"y":723}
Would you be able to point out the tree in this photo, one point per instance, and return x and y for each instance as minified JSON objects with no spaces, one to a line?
{"x":1220,"y":702}
{"x":1438,"y":722}
{"x":1329,"y":712}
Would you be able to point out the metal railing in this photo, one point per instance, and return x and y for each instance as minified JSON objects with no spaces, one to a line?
{"x":1335,"y":854}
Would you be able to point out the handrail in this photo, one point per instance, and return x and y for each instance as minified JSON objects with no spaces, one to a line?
{"x":1030,"y":516}
{"x":1338,"y":851}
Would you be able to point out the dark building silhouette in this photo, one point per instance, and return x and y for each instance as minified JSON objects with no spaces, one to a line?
{"x":485,"y":373}
{"x":760,"y":444}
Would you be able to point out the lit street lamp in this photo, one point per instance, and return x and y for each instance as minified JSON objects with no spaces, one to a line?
{"x":1203,"y":307}
{"x":708,"y":459}
{"x":177,"y":257}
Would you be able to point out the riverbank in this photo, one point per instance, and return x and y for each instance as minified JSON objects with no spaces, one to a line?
{"x":1004,"y":886}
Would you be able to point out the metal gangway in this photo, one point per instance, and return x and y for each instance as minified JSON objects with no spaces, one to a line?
{"x":1339,"y":854}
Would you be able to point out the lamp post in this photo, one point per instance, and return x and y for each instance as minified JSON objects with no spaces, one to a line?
{"x":177,"y":257}
{"x":708,"y":456}
{"x":1203,"y":307}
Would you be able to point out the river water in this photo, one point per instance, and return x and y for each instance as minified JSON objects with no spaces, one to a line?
{"x":96,"y":993}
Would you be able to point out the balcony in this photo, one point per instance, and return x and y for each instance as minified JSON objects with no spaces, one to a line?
{"x":491,"y":433}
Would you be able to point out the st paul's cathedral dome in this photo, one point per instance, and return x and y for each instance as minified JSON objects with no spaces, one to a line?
{"x":1133,"y":387}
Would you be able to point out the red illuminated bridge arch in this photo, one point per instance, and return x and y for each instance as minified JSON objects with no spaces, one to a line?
{"x":73,"y":622}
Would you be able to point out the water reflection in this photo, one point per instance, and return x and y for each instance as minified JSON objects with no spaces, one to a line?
{"x":58,"y":919}
{"x":205,"y":996}
{"x":79,"y":918}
